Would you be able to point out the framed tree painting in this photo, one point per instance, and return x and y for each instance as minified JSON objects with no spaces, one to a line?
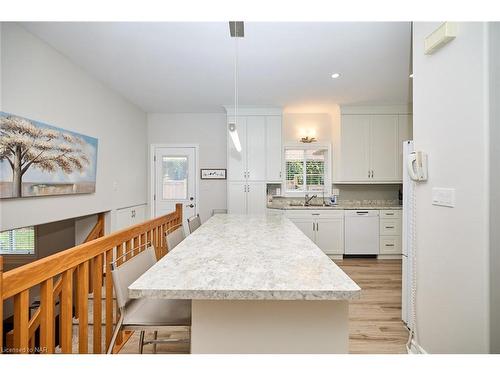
{"x":37,"y":159}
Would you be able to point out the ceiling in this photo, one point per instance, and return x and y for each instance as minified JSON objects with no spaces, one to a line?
{"x":189,"y":67}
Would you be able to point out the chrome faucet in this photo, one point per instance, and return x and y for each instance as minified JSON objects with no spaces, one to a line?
{"x":308,"y":199}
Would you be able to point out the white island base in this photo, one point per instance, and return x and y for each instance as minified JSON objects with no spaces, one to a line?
{"x":269,"y":327}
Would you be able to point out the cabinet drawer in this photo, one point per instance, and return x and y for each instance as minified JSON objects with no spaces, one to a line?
{"x":390,"y":227}
{"x":390,"y":245}
{"x":389,"y":214}
{"x":315,"y":214}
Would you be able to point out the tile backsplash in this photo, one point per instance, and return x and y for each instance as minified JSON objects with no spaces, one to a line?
{"x":350,"y":194}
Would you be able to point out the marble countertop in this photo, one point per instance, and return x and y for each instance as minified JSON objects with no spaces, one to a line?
{"x":242,"y":257}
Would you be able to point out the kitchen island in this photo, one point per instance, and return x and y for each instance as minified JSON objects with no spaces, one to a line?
{"x":257,"y":285}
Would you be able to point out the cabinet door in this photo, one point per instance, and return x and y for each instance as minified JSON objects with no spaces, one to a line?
{"x":354,"y":152}
{"x":306,"y":225}
{"x":384,"y":147}
{"x":256,"y":198}
{"x":123,"y":218}
{"x":237,"y":161}
{"x":139,"y":214}
{"x":236,"y":198}
{"x":256,"y":148}
{"x":330,"y":235}
{"x":273,"y":148}
{"x":405,"y":124}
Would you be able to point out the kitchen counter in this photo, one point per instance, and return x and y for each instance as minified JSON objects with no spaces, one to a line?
{"x":257,"y":283}
{"x":246,"y":257}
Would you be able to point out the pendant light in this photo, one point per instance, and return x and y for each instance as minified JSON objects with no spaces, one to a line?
{"x":236,"y":29}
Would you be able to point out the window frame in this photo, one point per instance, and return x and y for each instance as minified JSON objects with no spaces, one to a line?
{"x":22,"y":258}
{"x":328,"y":167}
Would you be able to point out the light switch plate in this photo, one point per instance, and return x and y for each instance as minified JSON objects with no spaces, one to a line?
{"x":443,"y":197}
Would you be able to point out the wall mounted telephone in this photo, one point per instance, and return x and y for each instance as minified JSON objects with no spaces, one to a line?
{"x":417,"y":166}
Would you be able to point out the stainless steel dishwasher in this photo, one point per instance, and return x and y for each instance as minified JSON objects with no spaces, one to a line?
{"x":361,"y":232}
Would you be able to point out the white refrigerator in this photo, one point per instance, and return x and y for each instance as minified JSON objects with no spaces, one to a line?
{"x":408,"y":239}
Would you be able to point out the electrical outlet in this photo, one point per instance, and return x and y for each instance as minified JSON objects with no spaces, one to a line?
{"x":443,"y":197}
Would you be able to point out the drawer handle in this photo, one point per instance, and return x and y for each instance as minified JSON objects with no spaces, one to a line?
{"x":362,"y":212}
{"x":389,"y":227}
{"x":389,"y":244}
{"x":389,"y":213}
{"x":315,"y":214}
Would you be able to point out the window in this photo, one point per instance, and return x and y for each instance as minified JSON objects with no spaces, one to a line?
{"x":307,"y":169}
{"x":175,"y":183}
{"x":18,"y":241}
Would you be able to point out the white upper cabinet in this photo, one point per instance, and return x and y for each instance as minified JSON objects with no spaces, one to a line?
{"x":355,"y":152}
{"x":261,"y":147}
{"x":256,"y":148}
{"x":371,"y":147}
{"x":273,"y":148}
{"x":237,"y":161}
{"x":384,"y":147}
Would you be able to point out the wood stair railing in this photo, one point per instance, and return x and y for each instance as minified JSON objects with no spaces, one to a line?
{"x":85,"y":265}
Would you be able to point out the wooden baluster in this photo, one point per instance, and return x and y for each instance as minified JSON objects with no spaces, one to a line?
{"x":109,"y":298}
{"x":143,"y":242}
{"x":153,"y":242}
{"x":119,"y":253}
{"x":83,"y":313}
{"x":21,"y":321}
{"x":128,"y":249}
{"x":47,"y":316}
{"x":97,"y":283}
{"x":66,"y":315}
{"x":1,"y":304}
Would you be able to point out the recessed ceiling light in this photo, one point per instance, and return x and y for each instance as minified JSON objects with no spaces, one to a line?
{"x":411,"y":75}
{"x":335,"y":75}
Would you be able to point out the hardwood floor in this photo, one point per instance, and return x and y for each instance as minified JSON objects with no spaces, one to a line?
{"x":375,"y":319}
{"x":375,"y":325}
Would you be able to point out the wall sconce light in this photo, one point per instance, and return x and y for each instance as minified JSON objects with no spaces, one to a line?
{"x":307,"y":139}
{"x":234,"y":136}
{"x":308,"y":136}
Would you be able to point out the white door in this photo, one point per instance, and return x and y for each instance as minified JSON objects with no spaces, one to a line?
{"x":355,"y":162}
{"x":330,"y":235}
{"x":175,"y":180}
{"x":256,"y":198}
{"x":237,"y":161}
{"x":256,"y":148}
{"x":306,"y":225}
{"x":236,"y":198}
{"x":273,"y":148}
{"x":384,"y":147}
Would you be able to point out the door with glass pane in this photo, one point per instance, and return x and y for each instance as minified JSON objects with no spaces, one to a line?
{"x":175,"y":180}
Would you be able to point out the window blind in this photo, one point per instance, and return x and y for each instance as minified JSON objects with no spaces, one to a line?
{"x":305,"y":170}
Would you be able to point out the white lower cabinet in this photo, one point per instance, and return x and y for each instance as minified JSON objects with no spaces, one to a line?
{"x":390,"y":232}
{"x":324,"y":227}
{"x":246,"y":197}
{"x":128,"y":216}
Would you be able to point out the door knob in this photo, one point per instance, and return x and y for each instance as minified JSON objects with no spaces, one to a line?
{"x":190,"y":205}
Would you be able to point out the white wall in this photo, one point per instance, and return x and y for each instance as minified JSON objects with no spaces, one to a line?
{"x":495,"y":187}
{"x":40,"y":83}
{"x":208,"y":130}
{"x":450,"y":106}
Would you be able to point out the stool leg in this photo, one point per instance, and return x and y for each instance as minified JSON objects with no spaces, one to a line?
{"x":141,"y":342}
{"x":154,"y":344}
